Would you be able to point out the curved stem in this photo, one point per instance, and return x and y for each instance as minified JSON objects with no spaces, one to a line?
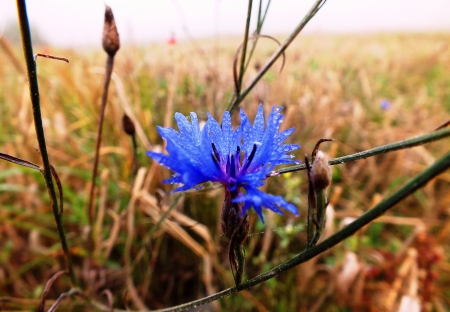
{"x":37,"y":116}
{"x":419,"y":140}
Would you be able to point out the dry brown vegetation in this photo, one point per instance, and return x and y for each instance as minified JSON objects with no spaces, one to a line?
{"x":330,"y":87}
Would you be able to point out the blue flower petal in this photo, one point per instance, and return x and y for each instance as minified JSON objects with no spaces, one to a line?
{"x":264,"y":150}
{"x":227,"y":133}
{"x":259,"y":199}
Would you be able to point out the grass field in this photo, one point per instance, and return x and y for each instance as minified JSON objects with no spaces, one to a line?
{"x":362,"y":91}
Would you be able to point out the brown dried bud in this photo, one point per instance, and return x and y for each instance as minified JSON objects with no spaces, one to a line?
{"x":110,"y":40}
{"x":235,"y":226}
{"x":128,"y":125}
{"x":321,"y":172}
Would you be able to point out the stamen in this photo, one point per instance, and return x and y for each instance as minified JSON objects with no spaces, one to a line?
{"x":216,"y":152}
{"x":252,"y":154}
{"x":216,"y":157}
{"x":232,"y":168}
{"x":250,"y":158}
{"x":215,"y":161}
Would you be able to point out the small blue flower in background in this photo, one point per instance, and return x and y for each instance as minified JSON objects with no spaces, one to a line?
{"x":385,"y":104}
{"x":238,"y":159}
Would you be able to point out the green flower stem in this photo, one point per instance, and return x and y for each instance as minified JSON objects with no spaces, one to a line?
{"x":410,"y":187}
{"x":314,"y":9}
{"x":419,"y":140}
{"x":35,"y":100}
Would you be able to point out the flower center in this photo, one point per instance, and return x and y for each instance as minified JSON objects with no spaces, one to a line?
{"x":233,"y":167}
{"x":232,"y":185}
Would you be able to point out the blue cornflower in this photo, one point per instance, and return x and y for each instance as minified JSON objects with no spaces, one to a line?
{"x":239,"y":159}
{"x":385,"y":104}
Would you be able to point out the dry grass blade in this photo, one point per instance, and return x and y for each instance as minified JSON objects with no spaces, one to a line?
{"x":152,"y":209}
{"x":173,"y":228}
{"x":444,"y":125}
{"x":51,"y":57}
{"x":110,"y":298}
{"x":410,"y":301}
{"x":125,"y":102}
{"x":18,"y":304}
{"x":18,"y":161}
{"x":63,"y":296}
{"x":402,"y":274}
{"x":197,"y":227}
{"x":128,"y":110}
{"x":48,"y":285}
{"x":347,"y":276}
{"x":110,"y":242}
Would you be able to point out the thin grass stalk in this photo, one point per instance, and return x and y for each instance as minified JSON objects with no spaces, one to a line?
{"x":108,"y":72}
{"x":264,"y":16}
{"x":314,"y":9}
{"x":257,"y":32}
{"x":37,"y":116}
{"x":259,"y":16}
{"x":259,"y":26}
{"x":376,"y":211}
{"x":420,"y":140}
{"x":244,"y":50}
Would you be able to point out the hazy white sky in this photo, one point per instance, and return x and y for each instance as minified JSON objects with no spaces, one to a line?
{"x":80,"y":22}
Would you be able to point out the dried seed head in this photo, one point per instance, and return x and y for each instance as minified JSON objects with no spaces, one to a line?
{"x":110,"y":40}
{"x":128,"y":125}
{"x":321,"y":172}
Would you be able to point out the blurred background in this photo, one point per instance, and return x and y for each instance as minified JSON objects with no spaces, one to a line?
{"x":365,"y":73}
{"x":71,"y":23}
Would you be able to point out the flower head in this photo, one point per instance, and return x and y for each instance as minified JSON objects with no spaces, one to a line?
{"x":239,"y":159}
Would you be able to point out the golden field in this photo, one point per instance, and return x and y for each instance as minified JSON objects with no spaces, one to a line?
{"x":154,"y":249}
